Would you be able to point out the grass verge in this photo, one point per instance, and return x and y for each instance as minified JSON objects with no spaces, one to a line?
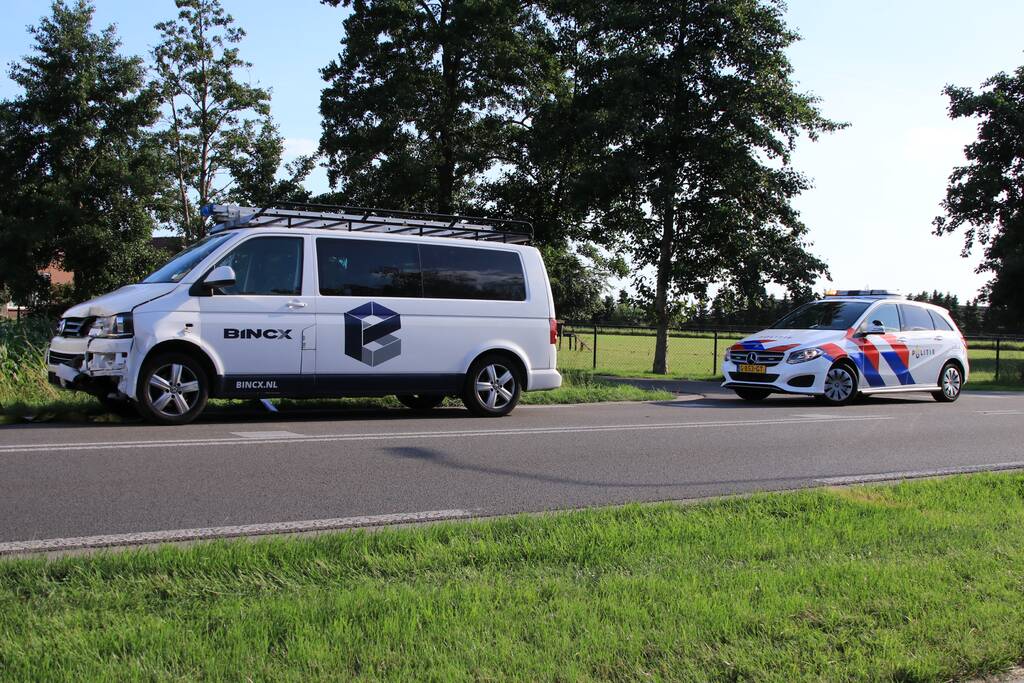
{"x":923,"y":581}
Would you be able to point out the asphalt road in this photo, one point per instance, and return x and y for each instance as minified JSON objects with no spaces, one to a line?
{"x":70,"y":481}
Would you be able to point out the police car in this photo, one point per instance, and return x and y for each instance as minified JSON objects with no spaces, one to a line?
{"x":305,"y":301}
{"x":852,"y":342}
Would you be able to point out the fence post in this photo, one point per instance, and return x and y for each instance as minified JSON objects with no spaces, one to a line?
{"x":595,"y":346}
{"x":997,"y":359}
{"x":714,"y":357}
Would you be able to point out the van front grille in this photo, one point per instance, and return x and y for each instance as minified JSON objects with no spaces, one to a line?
{"x":74,"y":327}
{"x":73,"y":360}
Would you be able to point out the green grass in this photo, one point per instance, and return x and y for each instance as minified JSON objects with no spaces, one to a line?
{"x":922,"y":581}
{"x":632,"y":355}
{"x":25,"y":393}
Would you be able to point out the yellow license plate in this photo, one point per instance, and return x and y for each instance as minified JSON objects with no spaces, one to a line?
{"x":759,"y":369}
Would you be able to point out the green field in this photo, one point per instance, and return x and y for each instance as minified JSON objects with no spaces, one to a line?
{"x":631,"y":354}
{"x":923,"y":581}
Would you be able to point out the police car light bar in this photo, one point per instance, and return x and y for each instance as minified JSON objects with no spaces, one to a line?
{"x":360,"y":219}
{"x":864,"y":293}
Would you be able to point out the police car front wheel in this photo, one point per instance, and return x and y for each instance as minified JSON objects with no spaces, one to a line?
{"x":173,"y":389}
{"x":840,"y":385}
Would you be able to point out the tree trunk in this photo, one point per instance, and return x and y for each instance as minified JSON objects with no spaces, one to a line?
{"x":662,"y":281}
{"x":449,"y":76}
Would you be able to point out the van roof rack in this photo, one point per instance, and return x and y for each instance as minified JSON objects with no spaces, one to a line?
{"x":361,"y":219}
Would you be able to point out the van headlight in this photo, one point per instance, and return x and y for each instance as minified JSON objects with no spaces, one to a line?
{"x":804,"y":356}
{"x":117,"y":326}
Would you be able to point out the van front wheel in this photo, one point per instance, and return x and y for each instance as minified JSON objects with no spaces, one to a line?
{"x":173,"y":389}
{"x":492,"y":387}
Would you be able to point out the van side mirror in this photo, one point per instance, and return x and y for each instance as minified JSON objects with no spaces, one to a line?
{"x":221,"y":276}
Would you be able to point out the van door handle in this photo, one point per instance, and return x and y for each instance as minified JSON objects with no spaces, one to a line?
{"x":296,"y":304}
{"x":937,"y":338}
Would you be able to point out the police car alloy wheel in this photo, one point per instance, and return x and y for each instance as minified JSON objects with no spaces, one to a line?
{"x":492,"y":387}
{"x":173,"y":389}
{"x":840,"y":385}
{"x":950,"y":383}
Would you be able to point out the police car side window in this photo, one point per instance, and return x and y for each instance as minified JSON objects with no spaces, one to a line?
{"x":915,"y":318}
{"x":940,"y":322}
{"x":368,"y":268}
{"x":887,"y":315}
{"x":266,"y":266}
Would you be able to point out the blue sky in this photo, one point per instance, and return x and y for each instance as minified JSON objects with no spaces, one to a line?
{"x":879,"y":65}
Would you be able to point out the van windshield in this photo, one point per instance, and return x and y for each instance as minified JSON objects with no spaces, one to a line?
{"x":823,"y":315}
{"x":183,"y":263}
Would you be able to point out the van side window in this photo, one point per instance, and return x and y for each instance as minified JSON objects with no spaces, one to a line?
{"x":368,"y":268}
{"x":940,"y":322}
{"x":469,"y":273}
{"x":915,"y":318}
{"x":266,"y":266}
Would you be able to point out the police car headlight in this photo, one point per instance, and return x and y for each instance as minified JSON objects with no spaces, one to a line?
{"x":113,"y":326}
{"x":804,"y":356}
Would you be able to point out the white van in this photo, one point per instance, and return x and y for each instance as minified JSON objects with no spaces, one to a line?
{"x":305,"y":301}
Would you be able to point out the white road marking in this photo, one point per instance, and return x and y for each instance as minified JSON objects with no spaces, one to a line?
{"x":1000,"y":412}
{"x":915,"y":474}
{"x":822,"y":416}
{"x":269,"y":434}
{"x":176,"y":535}
{"x":526,"y":431}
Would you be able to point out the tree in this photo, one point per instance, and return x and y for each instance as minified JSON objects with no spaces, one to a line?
{"x":255,"y":165}
{"x":81,"y":167}
{"x":699,"y":115}
{"x":218,"y":129}
{"x":986,"y":196}
{"x":422,"y":100}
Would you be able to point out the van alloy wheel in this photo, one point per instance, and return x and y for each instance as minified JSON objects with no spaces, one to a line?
{"x":173,"y":390}
{"x":495,"y":385}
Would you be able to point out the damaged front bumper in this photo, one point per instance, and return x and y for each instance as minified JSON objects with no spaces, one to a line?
{"x":92,"y":364}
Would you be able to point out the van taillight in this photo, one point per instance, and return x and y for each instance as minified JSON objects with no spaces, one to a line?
{"x":554,"y":331}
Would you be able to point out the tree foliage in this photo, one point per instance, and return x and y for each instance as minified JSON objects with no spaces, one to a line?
{"x":985,"y":197}
{"x":698,"y":112}
{"x":423,"y":98}
{"x":219,"y":136}
{"x":80,"y":167}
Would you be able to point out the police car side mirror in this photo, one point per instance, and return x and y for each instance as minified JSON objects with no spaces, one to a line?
{"x":874,"y":328}
{"x":221,"y":276}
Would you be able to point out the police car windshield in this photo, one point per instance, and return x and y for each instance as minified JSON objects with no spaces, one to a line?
{"x":180,"y":266}
{"x":823,"y":315}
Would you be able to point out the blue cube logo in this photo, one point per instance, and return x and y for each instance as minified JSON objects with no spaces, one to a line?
{"x":368,"y":334}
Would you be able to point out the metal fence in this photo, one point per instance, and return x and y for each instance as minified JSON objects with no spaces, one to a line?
{"x":696,"y":353}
